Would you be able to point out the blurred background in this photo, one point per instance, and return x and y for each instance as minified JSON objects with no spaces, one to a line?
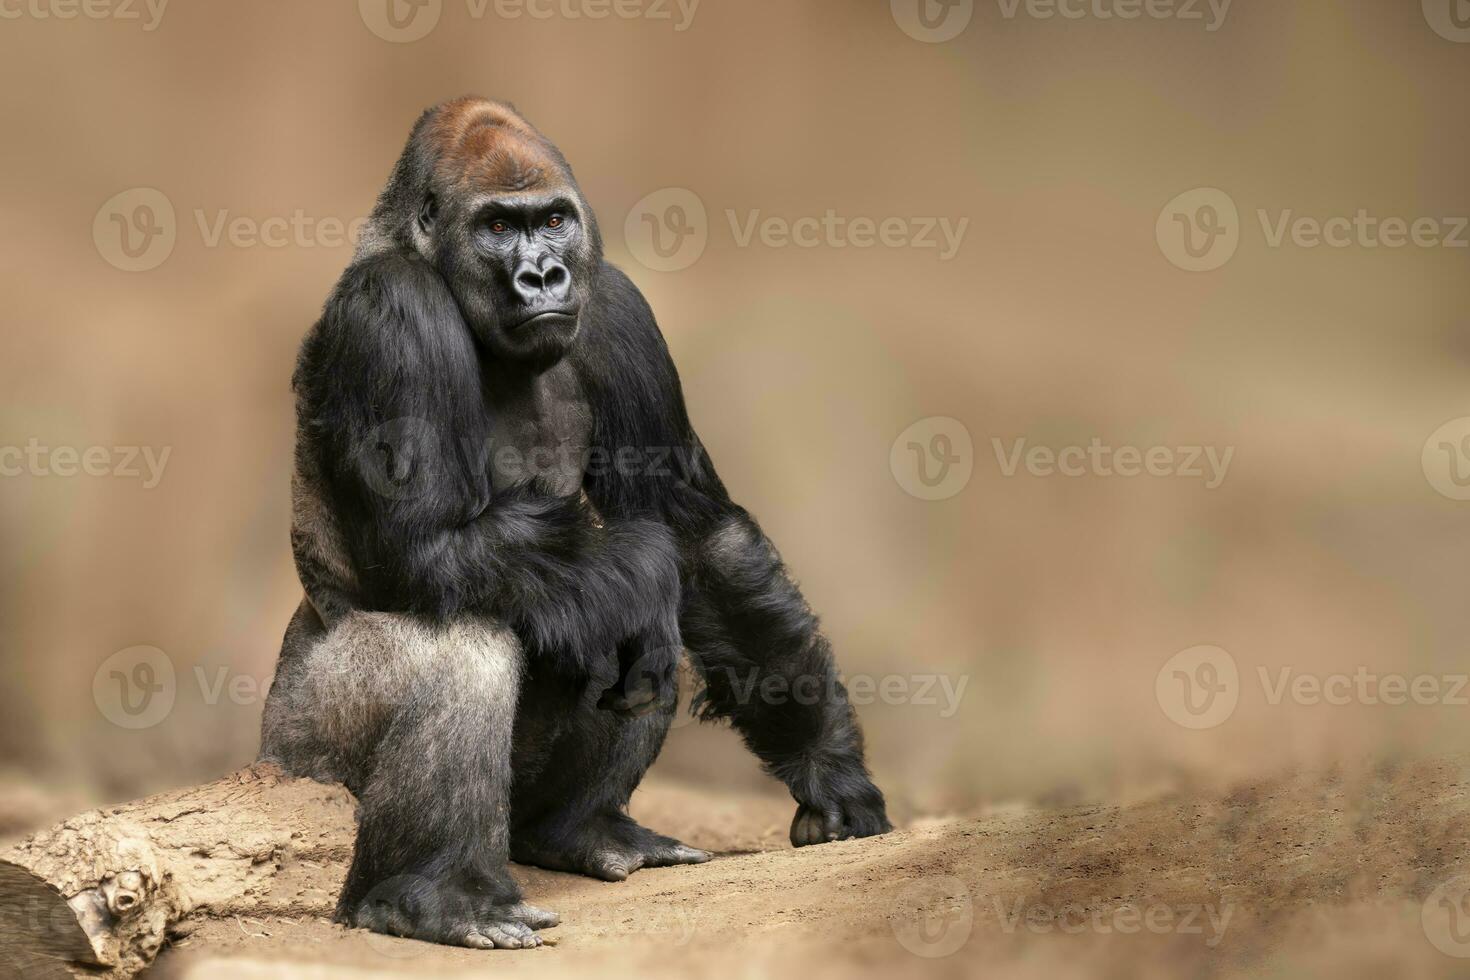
{"x":180,"y":183}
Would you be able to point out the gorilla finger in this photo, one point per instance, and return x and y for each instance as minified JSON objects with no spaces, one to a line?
{"x":804,"y":828}
{"x":813,"y":830}
{"x":871,"y":823}
{"x":834,"y":826}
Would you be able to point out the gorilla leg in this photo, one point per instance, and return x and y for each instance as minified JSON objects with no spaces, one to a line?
{"x":416,"y":719}
{"x":768,"y":669}
{"x":577,"y":766}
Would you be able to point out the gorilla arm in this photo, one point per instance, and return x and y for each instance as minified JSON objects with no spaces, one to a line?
{"x":743,"y":618}
{"x":391,"y":397}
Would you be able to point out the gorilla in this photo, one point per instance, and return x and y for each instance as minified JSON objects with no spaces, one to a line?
{"x":508,"y":534}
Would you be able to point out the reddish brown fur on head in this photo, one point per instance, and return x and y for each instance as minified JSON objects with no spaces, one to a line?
{"x":485,"y":146}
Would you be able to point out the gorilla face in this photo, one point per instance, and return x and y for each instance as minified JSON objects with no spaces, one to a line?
{"x":517,"y":265}
{"x":505,"y":224}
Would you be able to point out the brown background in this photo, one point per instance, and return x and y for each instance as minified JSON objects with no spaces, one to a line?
{"x":1060,"y":320}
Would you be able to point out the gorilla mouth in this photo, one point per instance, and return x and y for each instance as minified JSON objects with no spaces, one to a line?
{"x":548,"y":318}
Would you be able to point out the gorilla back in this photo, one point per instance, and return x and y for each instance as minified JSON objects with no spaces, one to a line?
{"x":508,"y":533}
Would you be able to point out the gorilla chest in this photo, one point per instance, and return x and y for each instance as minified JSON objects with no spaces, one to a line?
{"x":539,"y":429}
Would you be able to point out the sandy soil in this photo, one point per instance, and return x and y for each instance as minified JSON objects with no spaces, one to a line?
{"x":1351,"y":873}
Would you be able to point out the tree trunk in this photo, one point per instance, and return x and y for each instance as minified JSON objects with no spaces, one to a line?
{"x":97,"y":895}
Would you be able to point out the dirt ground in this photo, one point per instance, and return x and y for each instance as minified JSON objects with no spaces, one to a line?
{"x":1351,"y":873}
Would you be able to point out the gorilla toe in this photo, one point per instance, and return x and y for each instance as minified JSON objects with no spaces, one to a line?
{"x":415,"y":907}
{"x":609,"y":848}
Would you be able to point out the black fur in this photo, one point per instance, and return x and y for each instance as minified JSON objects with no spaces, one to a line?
{"x":415,"y":539}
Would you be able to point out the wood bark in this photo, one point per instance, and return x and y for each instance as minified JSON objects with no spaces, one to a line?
{"x":99,"y":894}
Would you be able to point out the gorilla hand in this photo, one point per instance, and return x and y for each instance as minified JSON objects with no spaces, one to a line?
{"x":647,"y":678}
{"x":839,"y":804}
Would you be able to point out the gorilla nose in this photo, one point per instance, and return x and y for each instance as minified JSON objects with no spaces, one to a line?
{"x":549,"y":280}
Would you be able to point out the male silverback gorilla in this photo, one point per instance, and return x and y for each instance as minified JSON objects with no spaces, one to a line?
{"x":507,"y":532}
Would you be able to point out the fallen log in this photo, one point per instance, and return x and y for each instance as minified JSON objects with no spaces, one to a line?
{"x":98,"y":895}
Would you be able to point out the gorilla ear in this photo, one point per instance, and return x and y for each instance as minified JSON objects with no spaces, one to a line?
{"x":427,"y":212}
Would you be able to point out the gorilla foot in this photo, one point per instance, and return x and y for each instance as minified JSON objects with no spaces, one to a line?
{"x":606,"y":847}
{"x":414,"y":907}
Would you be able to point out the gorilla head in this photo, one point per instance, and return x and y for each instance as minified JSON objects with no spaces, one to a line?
{"x":493,"y":206}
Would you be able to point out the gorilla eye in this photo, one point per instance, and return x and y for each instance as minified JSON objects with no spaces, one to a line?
{"x":498,"y":227}
{"x":555,"y":221}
